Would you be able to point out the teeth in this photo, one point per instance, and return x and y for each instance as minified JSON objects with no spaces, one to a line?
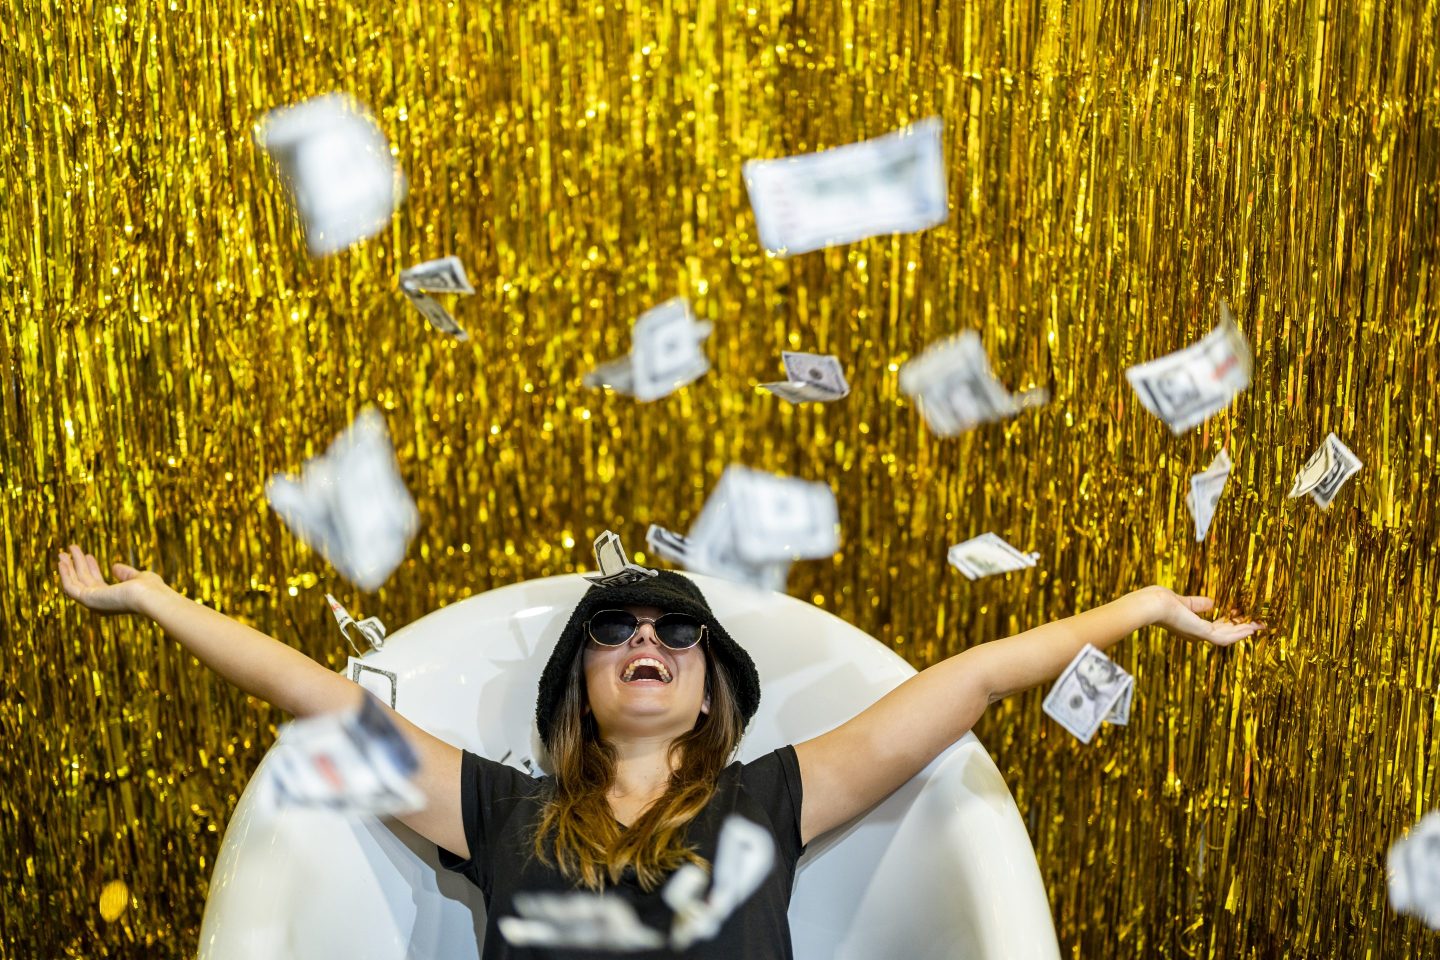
{"x":638,"y":662}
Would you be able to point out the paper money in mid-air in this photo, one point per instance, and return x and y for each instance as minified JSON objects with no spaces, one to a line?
{"x":891,"y":184}
{"x":350,"y":503}
{"x":711,"y":547}
{"x":744,"y":856}
{"x":1187,"y":387}
{"x":355,"y":762}
{"x":1205,"y":492}
{"x":754,"y":524}
{"x":1087,"y":692}
{"x":987,"y":555}
{"x":668,"y":545}
{"x":371,"y":631}
{"x":1326,"y":472}
{"x":615,"y":566}
{"x":1412,"y":867}
{"x":810,"y":377}
{"x":955,"y":389}
{"x":445,"y":275}
{"x":338,"y":166}
{"x":578,"y":921}
{"x":1120,"y":713}
{"x":782,"y":518}
{"x":665,"y":354}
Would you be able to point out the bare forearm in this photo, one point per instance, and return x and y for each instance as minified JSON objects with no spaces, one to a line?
{"x":1039,"y":655}
{"x":258,"y":664}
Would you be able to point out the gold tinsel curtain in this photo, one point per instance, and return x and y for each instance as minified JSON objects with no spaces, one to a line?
{"x":1115,"y":169}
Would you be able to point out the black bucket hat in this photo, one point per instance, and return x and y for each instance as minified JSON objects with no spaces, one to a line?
{"x":669,"y":591}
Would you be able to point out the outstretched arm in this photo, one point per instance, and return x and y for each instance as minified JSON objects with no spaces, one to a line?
{"x":266,"y":668}
{"x":861,"y":762}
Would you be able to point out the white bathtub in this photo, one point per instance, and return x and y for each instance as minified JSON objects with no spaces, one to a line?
{"x":942,"y":869}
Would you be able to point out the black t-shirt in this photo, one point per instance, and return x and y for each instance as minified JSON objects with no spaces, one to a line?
{"x":501,"y":806}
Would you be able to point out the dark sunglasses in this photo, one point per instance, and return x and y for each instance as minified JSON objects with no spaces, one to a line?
{"x":612,"y":628}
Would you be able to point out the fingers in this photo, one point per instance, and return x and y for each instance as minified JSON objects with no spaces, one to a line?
{"x":68,"y":583}
{"x":1198,"y":604}
{"x":1224,"y":632}
{"x":83,"y":575}
{"x":123,"y":571}
{"x":94,"y":567}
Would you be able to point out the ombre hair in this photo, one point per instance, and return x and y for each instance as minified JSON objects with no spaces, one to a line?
{"x":577,"y":830}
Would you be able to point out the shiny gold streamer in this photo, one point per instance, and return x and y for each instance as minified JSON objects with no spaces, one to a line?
{"x":1115,"y":169}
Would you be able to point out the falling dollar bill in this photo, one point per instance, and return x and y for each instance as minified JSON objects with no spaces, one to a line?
{"x":987,"y":555}
{"x":668,"y":545}
{"x":1326,"y":472}
{"x":1189,"y":386}
{"x":955,"y":389}
{"x":782,"y":518}
{"x":891,"y":184}
{"x":1412,"y":867}
{"x":1086,"y":693}
{"x":353,"y":762}
{"x":1205,"y":491}
{"x":1120,"y":713}
{"x":338,"y":166}
{"x":810,"y":377}
{"x":370,"y":631}
{"x":578,"y":921}
{"x":754,"y":524}
{"x":445,"y":275}
{"x":665,"y":354}
{"x":744,"y":857}
{"x":615,"y":567}
{"x":350,"y":503}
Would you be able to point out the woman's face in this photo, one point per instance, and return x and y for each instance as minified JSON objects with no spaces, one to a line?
{"x":642,"y":687}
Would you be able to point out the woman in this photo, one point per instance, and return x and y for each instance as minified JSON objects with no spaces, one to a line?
{"x":641,"y":704}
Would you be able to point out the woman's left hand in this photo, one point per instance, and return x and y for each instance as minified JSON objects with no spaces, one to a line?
{"x":1181,"y":616}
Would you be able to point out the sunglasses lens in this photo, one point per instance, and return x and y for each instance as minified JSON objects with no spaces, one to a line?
{"x":613,"y":627}
{"x":678,"y":630}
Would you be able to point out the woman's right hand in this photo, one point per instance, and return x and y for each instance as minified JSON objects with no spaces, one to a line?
{"x":82,"y":581}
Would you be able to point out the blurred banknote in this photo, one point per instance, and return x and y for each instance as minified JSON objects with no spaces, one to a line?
{"x":445,"y":275}
{"x":1087,"y":692}
{"x":744,"y":857}
{"x":952,"y":383}
{"x":810,"y":377}
{"x":350,"y":503}
{"x":668,"y":545}
{"x":892,"y":184}
{"x":338,"y":166}
{"x":782,"y":518}
{"x":354,"y":762}
{"x":1120,"y":713}
{"x":665,"y":354}
{"x":1413,"y":870}
{"x":1187,"y":387}
{"x":987,"y":555}
{"x":578,"y":921}
{"x":754,"y":524}
{"x":1205,"y":491}
{"x":1326,"y":472}
{"x":615,"y":567}
{"x":362,"y":635}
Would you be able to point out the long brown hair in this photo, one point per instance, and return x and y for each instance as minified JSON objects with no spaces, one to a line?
{"x":578,"y":831}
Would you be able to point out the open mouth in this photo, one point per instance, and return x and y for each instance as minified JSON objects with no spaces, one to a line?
{"x":646,"y":668}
